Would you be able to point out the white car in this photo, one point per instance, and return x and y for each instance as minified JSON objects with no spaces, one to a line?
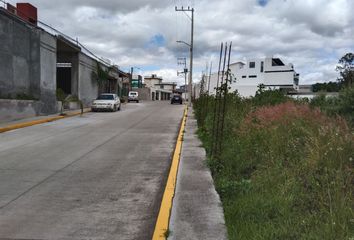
{"x":133,"y":96}
{"x":106,"y":101}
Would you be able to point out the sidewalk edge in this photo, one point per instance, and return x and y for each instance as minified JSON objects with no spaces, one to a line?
{"x":162,"y":223}
{"x":36,"y":122}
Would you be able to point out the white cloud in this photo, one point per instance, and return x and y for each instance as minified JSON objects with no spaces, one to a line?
{"x":169,"y":75}
{"x":312,"y":34}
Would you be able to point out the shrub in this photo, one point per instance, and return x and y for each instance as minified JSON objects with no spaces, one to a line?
{"x":268,"y":97}
{"x":346,"y":103}
{"x":72,"y":98}
{"x":60,"y":95}
{"x":342,"y":105}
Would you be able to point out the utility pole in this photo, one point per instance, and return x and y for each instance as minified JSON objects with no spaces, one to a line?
{"x":190,"y":51}
{"x":211,"y":66}
{"x":182,"y":61}
{"x":131,"y":78}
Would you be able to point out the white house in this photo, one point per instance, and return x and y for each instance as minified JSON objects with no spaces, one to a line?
{"x":159,"y":90}
{"x":269,"y":71}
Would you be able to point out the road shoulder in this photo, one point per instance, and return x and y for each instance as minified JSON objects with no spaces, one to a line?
{"x":197,"y":211}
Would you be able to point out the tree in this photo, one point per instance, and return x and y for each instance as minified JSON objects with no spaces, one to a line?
{"x":326,"y":87}
{"x":346,"y":69}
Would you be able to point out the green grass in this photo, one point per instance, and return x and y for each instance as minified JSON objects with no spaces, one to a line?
{"x":167,"y":233}
{"x":285,"y":170}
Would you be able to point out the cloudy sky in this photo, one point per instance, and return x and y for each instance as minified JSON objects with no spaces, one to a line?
{"x":311,"y":34}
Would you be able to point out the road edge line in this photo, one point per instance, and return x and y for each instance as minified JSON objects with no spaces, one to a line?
{"x":162,"y":223}
{"x":36,"y":122}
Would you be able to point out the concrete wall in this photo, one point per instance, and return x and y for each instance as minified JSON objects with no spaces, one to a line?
{"x":150,"y":82}
{"x":88,"y":87}
{"x":144,"y":93}
{"x":169,"y":87}
{"x":27,"y":63}
{"x":19,"y":57}
{"x":48,"y":74}
{"x":28,"y":57}
{"x":18,"y":109}
{"x":279,"y":78}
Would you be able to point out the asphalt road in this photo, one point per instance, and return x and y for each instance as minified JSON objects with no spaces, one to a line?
{"x":99,"y":176}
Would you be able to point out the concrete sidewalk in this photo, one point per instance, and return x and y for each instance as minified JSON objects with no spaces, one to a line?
{"x":14,"y":124}
{"x":197,"y":211}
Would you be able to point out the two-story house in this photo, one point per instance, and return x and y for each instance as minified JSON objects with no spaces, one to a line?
{"x":269,"y":71}
{"x":159,"y":90}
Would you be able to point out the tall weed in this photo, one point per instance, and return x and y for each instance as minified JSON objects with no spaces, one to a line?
{"x":285,"y":171}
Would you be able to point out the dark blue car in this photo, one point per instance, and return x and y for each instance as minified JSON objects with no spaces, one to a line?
{"x":176,"y":99}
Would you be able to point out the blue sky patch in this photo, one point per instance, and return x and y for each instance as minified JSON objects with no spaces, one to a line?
{"x":263,"y":3}
{"x":157,"y":40}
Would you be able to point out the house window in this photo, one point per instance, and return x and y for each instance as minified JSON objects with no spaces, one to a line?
{"x":277,"y":62}
{"x":252,"y":76}
{"x":162,"y":86}
{"x":244,"y":76}
{"x":262,"y":66}
{"x":252,"y":64}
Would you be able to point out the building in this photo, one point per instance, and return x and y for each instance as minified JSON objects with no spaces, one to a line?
{"x":136,"y":82}
{"x":269,"y":71}
{"x":159,"y":90}
{"x":36,"y":62}
{"x":124,"y":78}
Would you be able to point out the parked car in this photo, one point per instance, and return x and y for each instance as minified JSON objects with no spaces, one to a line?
{"x":133,"y":96}
{"x":176,"y":99}
{"x":106,"y":101}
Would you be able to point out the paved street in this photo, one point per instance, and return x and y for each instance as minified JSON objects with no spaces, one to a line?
{"x":99,"y":176}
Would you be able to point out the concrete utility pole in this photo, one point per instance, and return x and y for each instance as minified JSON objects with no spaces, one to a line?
{"x":182,"y":61}
{"x":131,"y":78}
{"x":185,"y":71}
{"x":190,"y":52}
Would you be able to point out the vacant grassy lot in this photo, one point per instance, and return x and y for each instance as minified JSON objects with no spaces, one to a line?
{"x":285,"y":170}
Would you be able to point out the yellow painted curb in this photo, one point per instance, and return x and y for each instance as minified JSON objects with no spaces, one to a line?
{"x":163,"y":218}
{"x":40,"y":121}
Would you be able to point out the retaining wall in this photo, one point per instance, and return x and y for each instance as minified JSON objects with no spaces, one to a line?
{"x":27,"y":62}
{"x":88,"y":87}
{"x":18,"y":109}
{"x":19,"y":57}
{"x":144,"y":93}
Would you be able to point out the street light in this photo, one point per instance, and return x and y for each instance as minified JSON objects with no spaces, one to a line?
{"x":184,"y":43}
